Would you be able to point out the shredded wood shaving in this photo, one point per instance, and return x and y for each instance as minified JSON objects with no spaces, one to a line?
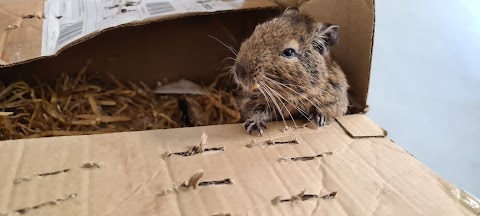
{"x":90,"y":103}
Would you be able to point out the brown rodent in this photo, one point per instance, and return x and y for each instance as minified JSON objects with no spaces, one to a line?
{"x":285,"y":65}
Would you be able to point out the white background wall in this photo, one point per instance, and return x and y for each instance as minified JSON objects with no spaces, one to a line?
{"x":425,"y":86}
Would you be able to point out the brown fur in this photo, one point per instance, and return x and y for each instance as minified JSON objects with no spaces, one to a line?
{"x":311,"y":82}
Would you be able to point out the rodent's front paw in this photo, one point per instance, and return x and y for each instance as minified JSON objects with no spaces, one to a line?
{"x":252,"y":125}
{"x":317,"y":118}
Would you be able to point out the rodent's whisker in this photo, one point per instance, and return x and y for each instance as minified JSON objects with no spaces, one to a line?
{"x":274,"y":76}
{"x":229,"y":67}
{"x":302,"y":112}
{"x":268,"y":103}
{"x":280,"y":97}
{"x":275,"y":102}
{"x":229,"y":34}
{"x":303,"y":103}
{"x":230,"y":58}
{"x":228,"y":47}
{"x":308,"y":100}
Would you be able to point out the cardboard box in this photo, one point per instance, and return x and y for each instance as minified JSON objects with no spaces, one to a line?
{"x":349,"y":167}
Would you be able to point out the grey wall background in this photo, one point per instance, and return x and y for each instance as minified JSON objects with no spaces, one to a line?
{"x":425,"y":85}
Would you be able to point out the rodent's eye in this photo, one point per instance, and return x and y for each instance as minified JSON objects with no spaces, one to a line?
{"x":289,"y":53}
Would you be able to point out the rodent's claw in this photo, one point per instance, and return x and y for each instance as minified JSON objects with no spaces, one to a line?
{"x":252,"y":125}
{"x":317,"y":118}
{"x":263,"y":124}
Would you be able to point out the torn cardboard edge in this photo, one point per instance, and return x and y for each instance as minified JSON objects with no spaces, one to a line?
{"x":270,"y":6}
{"x":304,"y":158}
{"x":88,"y":165}
{"x":194,"y":182}
{"x":197,"y":149}
{"x":49,"y":203}
{"x":467,"y":199}
{"x":222,"y":214}
{"x":284,"y":140}
{"x":302,"y":196}
{"x":30,"y":178}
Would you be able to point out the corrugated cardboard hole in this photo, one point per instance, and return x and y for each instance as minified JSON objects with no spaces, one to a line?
{"x":29,"y":16}
{"x":305,"y":158}
{"x":53,"y":202}
{"x":195,"y":150}
{"x":92,"y":165}
{"x":14,"y":26}
{"x":89,"y":165}
{"x":29,"y":178}
{"x":194,"y":182}
{"x":303,"y":197}
{"x":37,"y":15}
{"x":227,"y":181}
{"x":291,"y":128}
{"x":272,"y":141}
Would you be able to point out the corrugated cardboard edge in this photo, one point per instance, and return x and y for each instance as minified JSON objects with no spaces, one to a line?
{"x":269,"y":6}
{"x":365,"y":110}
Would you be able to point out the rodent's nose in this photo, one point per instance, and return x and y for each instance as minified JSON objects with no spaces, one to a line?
{"x":240,"y":71}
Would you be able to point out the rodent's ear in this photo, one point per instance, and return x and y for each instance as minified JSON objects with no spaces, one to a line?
{"x":291,"y":11}
{"x":326,"y":37}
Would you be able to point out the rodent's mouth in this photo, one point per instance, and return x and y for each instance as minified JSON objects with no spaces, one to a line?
{"x":255,"y":87}
{"x":246,"y":87}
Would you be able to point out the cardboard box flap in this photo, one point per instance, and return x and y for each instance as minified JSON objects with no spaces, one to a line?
{"x":290,"y":173}
{"x":359,"y":126}
{"x":46,"y":28}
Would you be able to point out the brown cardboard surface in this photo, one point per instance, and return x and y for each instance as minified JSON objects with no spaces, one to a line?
{"x":372,"y":176}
